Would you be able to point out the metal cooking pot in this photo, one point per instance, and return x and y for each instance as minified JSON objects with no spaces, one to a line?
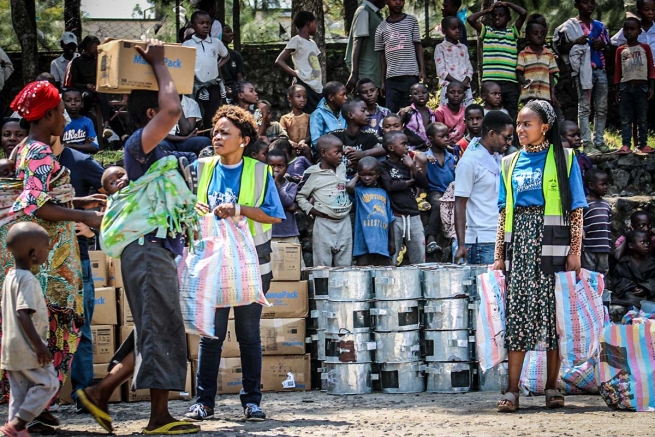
{"x":352,"y":316}
{"x":448,"y":377}
{"x":400,"y":283}
{"x":446,"y":314}
{"x":347,"y":347}
{"x":395,"y":315}
{"x":318,"y":317}
{"x":318,"y":280}
{"x":347,"y":379}
{"x":402,"y":377}
{"x":316,"y":344}
{"x":397,"y":347}
{"x":494,"y":379}
{"x":349,"y":285}
{"x":446,"y":282}
{"x":447,"y":345}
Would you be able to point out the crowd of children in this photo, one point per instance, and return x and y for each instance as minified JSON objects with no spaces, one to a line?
{"x":362,"y":172}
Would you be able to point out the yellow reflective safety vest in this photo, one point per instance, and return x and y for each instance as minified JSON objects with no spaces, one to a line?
{"x":556,"y":241}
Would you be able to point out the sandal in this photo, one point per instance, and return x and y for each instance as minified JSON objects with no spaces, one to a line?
{"x":103,"y":419}
{"x":168,"y":429}
{"x":554,"y":399}
{"x":509,"y":403}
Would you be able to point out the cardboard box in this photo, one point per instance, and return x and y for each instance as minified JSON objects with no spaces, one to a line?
{"x":98,"y":268}
{"x":99,"y":372}
{"x":124,"y":312}
{"x":279,"y":373}
{"x":144,"y":394}
{"x":279,"y":337}
{"x":285,"y":261}
{"x":104,"y":343}
{"x":105,"y":311}
{"x":289,"y":300}
{"x":125,"y":331}
{"x":193,"y":345}
{"x":122,"y":69}
{"x":115,"y":277}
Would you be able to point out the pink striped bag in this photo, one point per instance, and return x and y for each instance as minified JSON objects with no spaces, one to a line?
{"x":222,"y":271}
{"x":490,"y":332}
{"x":578,"y":380}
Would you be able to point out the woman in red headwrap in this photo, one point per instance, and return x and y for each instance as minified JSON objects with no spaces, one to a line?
{"x":41,"y":193}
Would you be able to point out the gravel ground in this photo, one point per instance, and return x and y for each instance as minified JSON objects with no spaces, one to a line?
{"x":376,"y":415}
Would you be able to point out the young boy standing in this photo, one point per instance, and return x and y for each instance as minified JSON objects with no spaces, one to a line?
{"x":634,"y":77}
{"x":296,"y":122}
{"x":79,"y":133}
{"x":358,"y":142}
{"x":492,"y":97}
{"x":304,"y":53}
{"x":25,"y":355}
{"x":499,"y":49}
{"x":597,"y":219}
{"x":473,"y":117}
{"x":440,"y":172}
{"x":536,"y":67}
{"x":402,"y":61}
{"x":287,"y":231}
{"x":327,"y":116}
{"x":570,"y":133}
{"x":400,"y":176}
{"x":325,"y":182}
{"x":68,"y":43}
{"x":211,"y":55}
{"x":374,"y":241}
{"x":368,"y":92}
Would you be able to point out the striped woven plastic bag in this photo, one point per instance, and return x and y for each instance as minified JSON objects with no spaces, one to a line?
{"x":626,"y":366}
{"x":580,"y":379}
{"x":490,"y":332}
{"x":222,"y":271}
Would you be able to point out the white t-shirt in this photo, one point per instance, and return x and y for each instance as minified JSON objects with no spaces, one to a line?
{"x":305,"y":58}
{"x":475,"y":180}
{"x":21,"y":290}
{"x":58,"y":67}
{"x":216,"y":30}
{"x":190,"y":109}
{"x":208,"y":52}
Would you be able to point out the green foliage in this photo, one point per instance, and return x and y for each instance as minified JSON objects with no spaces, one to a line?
{"x":49,"y":21}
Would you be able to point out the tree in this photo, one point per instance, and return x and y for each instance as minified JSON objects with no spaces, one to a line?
{"x":23,"y":17}
{"x":72,"y":18}
{"x":315,"y":7}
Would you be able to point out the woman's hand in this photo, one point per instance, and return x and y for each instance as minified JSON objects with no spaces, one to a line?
{"x":573,"y":264}
{"x":202,"y":208}
{"x":499,"y":264}
{"x":92,"y":201}
{"x":225,"y":210}
{"x":93,"y":219}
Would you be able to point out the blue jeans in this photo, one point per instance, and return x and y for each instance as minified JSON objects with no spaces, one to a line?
{"x":82,"y":365}
{"x":191,"y":145}
{"x":634,"y":108}
{"x":480,"y":253}
{"x":599,"y":93}
{"x":397,"y":91}
{"x":246,"y":321}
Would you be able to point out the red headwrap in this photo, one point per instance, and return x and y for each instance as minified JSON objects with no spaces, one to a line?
{"x":35,"y":100}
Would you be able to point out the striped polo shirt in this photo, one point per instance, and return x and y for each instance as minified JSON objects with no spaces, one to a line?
{"x":396,"y":39}
{"x":537,"y":67}
{"x":499,"y":53}
{"x":597,"y":227}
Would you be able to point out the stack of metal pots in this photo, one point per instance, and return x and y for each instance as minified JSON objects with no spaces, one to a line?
{"x":396,"y":322}
{"x":447,"y":336}
{"x":317,"y":281}
{"x":495,"y":379}
{"x":348,"y":346}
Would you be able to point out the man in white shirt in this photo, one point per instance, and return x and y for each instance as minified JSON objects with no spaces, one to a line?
{"x":477,"y":181}
{"x":68,"y":43}
{"x":211,"y":54}
{"x":184,"y":137}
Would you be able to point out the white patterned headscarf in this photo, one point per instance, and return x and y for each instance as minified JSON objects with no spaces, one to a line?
{"x":543,"y":107}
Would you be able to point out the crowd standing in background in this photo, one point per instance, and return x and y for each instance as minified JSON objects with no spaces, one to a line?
{"x":497,"y":173}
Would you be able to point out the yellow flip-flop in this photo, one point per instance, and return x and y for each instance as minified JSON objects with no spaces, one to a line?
{"x":167,"y":429}
{"x":103,"y":419}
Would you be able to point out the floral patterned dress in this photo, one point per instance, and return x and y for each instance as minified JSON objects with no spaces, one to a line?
{"x":44,"y":179}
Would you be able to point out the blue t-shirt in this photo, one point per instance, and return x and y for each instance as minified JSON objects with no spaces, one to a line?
{"x":225,"y":185}
{"x":439,"y":177}
{"x":373,"y":216}
{"x":527,"y":181}
{"x":85,"y":173}
{"x":79,"y":130}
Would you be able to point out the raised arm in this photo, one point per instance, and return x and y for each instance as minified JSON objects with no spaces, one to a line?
{"x":522,"y":14}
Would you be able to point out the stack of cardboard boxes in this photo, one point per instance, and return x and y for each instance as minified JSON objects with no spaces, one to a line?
{"x":111,"y":324}
{"x":285,"y":367}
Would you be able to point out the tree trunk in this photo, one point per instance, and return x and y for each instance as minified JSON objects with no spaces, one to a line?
{"x":72,"y":18}
{"x":315,"y":7}
{"x":23,"y":17}
{"x":220,"y":11}
{"x":236,"y":24}
{"x":349,"y":8}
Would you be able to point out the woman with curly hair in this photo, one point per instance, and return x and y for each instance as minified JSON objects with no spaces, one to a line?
{"x":230,"y":185}
{"x":541,"y":198}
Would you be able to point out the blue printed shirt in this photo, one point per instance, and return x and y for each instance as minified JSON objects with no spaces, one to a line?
{"x":80,"y":131}
{"x":373,"y":216}
{"x":440,"y":176}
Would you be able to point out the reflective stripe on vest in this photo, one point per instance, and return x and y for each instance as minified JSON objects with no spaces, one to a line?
{"x":556,"y":234}
{"x":252,"y":191}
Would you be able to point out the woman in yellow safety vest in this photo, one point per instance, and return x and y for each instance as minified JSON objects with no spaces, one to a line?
{"x":541,"y":197}
{"x":230,"y":184}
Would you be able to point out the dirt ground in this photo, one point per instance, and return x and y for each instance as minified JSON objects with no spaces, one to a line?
{"x":376,"y":415}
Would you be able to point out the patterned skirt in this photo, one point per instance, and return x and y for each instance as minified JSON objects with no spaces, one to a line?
{"x":530,"y":306}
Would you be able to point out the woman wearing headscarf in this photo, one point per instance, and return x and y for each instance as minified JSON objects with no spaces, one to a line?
{"x":541,"y":198}
{"x":41,"y":193}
